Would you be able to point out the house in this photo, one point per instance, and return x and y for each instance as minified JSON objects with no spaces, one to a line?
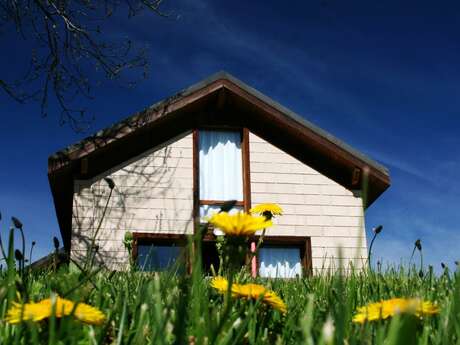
{"x":181,"y":158}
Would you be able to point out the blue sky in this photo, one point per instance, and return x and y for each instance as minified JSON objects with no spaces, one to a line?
{"x":382,"y":76}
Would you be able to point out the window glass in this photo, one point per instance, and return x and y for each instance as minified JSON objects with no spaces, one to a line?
{"x":279,"y":262}
{"x":221,"y":169}
{"x":153,"y":257}
{"x":209,"y":210}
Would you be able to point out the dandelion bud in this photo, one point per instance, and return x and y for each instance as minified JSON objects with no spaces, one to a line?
{"x":109,"y":182}
{"x":18,"y":255}
{"x":443,"y":265}
{"x":420,"y":274}
{"x":128,"y":239}
{"x":33,"y":243}
{"x":56,"y":243}
{"x":418,"y":244}
{"x":16,"y":222}
{"x":456,"y":263}
{"x":377,"y":230}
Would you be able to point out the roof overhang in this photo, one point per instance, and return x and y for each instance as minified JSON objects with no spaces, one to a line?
{"x":220,"y":100}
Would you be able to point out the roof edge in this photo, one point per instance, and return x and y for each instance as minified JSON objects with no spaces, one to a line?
{"x":224,"y":76}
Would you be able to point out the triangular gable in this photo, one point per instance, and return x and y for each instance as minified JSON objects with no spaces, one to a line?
{"x":220,"y":100}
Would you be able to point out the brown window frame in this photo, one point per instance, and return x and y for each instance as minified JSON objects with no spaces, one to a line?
{"x":197,"y":202}
{"x":301,"y":242}
{"x":140,"y":238}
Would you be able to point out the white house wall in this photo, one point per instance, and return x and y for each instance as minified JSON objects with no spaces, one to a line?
{"x":153,"y":193}
{"x":313,"y":205}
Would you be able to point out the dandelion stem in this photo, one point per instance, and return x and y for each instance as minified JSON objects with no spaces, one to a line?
{"x":370,"y":251}
{"x":2,"y":249}
{"x":412,"y":255}
{"x":30,"y":254}
{"x":23,"y":250}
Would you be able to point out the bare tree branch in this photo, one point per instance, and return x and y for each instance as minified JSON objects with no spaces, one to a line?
{"x":67,"y":41}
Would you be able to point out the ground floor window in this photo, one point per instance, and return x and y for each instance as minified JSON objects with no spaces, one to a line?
{"x":284,"y":257}
{"x":280,"y":262}
{"x":159,"y":252}
{"x":278,"y":257}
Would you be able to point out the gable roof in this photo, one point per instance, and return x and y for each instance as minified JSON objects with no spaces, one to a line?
{"x":220,"y":100}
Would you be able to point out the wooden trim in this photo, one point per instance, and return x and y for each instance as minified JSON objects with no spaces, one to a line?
{"x":196,"y":167}
{"x":289,"y":124}
{"x":84,"y":166}
{"x":125,"y":128}
{"x":221,"y":99}
{"x":221,"y":128}
{"x":158,"y":236}
{"x":356,"y":177}
{"x":308,"y":257}
{"x":219,"y":202}
{"x":196,"y":181}
{"x":148,"y":237}
{"x":281,"y":239}
{"x":303,"y":243}
{"x":246,"y":170}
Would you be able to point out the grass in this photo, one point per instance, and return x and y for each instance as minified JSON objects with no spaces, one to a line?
{"x":179,"y":308}
{"x":166,"y":308}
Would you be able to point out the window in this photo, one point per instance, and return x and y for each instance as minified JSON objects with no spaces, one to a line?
{"x":220,"y":170}
{"x":157,"y":252}
{"x":157,"y":257}
{"x":284,"y":257}
{"x":280,"y":262}
{"x":219,"y":176}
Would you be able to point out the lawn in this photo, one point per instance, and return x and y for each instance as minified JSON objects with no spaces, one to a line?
{"x":81,"y":303}
{"x":169,"y":308}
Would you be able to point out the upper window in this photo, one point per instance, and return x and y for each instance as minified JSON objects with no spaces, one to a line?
{"x":221,"y":169}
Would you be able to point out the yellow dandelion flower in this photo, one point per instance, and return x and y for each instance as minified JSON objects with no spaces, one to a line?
{"x":388,"y":308}
{"x":43,"y":310}
{"x":239,"y":224}
{"x":250,"y":291}
{"x":220,"y":284}
{"x":267,"y":209}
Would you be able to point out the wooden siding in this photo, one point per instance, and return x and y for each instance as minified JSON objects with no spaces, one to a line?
{"x":313,"y":204}
{"x":153,"y":193}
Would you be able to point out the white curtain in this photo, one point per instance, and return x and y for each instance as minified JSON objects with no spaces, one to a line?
{"x":209,"y":210}
{"x":278,"y":262}
{"x":221,"y":169}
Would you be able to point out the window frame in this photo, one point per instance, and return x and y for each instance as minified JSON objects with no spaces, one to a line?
{"x":146,"y":238}
{"x":197,"y":202}
{"x":301,"y":242}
